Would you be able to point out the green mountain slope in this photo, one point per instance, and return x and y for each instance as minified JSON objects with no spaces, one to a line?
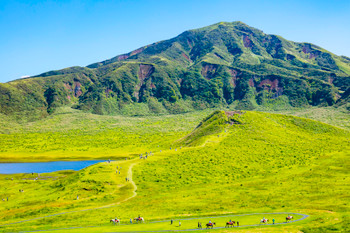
{"x":218,"y":65}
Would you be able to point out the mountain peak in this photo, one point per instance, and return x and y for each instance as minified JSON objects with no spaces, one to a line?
{"x":224,"y":64}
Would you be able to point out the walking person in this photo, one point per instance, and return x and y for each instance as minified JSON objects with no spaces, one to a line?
{"x":179,"y":223}
{"x":171,"y":222}
{"x":273,"y":221}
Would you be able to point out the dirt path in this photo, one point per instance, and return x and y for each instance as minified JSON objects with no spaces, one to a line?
{"x":212,"y":139}
{"x":129,"y":175}
{"x":304,"y":216}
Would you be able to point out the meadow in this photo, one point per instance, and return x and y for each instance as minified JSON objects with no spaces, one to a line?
{"x":245,"y":163}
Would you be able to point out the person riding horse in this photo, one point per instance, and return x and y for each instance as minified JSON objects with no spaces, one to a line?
{"x":210,"y":224}
{"x":230,"y":223}
{"x":139,"y":219}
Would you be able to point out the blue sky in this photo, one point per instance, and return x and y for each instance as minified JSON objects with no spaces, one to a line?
{"x":38,"y":36}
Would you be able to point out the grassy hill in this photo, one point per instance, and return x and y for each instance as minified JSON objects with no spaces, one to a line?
{"x":248,"y":162}
{"x":218,"y":65}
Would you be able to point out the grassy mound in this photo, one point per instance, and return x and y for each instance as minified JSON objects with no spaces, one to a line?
{"x":213,"y":124}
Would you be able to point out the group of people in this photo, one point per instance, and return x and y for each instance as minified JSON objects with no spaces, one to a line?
{"x":146,"y":155}
{"x":210,"y":223}
{"x":116,"y":220}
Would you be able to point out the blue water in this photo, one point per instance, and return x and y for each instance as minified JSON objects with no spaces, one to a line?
{"x":45,"y":167}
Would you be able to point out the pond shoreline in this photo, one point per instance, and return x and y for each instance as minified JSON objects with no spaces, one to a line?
{"x":45,"y":167}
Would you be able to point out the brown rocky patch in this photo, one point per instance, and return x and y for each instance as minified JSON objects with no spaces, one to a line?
{"x":185,"y":56}
{"x":312,"y":53}
{"x":208,"y":70}
{"x":123,"y":57}
{"x":234,"y":75}
{"x":145,"y":71}
{"x":247,"y":42}
{"x":272,"y":86}
{"x":251,"y":82}
{"x":67,"y":87}
{"x":77,"y":89}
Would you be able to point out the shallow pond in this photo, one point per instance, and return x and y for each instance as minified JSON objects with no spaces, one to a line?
{"x":45,"y":167}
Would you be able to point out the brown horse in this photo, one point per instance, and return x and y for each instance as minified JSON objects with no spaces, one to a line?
{"x":139,"y":219}
{"x":289,"y":218}
{"x":230,"y":224}
{"x":210,"y":225}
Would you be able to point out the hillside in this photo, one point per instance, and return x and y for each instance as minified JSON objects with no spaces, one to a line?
{"x":219,"y":65}
{"x":255,"y":163}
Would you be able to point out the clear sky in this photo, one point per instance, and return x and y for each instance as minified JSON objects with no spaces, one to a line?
{"x":38,"y":36}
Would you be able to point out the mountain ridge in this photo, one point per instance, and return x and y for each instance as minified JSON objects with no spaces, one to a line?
{"x":218,"y":65}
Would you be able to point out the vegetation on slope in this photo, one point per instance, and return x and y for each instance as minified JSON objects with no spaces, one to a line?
{"x":219,"y":65}
{"x":267,"y":163}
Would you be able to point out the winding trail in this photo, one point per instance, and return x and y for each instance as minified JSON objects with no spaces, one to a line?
{"x":129,"y":174}
{"x":222,"y":135}
{"x":218,"y":138}
{"x":304,"y":216}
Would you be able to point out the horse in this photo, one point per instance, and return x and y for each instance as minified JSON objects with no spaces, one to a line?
{"x":264,"y":221}
{"x":210,"y":225}
{"x":230,"y":224}
{"x":115,"y":220}
{"x":289,"y":218}
{"x":139,"y":219}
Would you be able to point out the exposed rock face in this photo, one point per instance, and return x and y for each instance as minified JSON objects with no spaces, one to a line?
{"x":247,"y":41}
{"x":207,"y":67}
{"x":123,"y":57}
{"x":77,"y":89}
{"x":208,"y":70}
{"x":233,"y":80}
{"x":271,"y":86}
{"x":312,"y":53}
{"x":74,"y":90}
{"x":145,"y":71}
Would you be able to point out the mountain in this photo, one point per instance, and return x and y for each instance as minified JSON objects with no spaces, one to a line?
{"x":219,"y":65}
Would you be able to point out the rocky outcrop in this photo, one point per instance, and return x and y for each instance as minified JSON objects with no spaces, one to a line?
{"x":145,"y":71}
{"x":247,"y":42}
{"x":208,"y":70}
{"x":77,"y":89}
{"x":271,"y":86}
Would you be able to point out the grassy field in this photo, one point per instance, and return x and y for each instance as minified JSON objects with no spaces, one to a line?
{"x":73,"y":135}
{"x":245,"y":221}
{"x":242,"y":164}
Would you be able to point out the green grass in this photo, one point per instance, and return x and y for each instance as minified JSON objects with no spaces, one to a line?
{"x":267,"y":163}
{"x":74,"y":135}
{"x":187,"y":223}
{"x":334,"y":116}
